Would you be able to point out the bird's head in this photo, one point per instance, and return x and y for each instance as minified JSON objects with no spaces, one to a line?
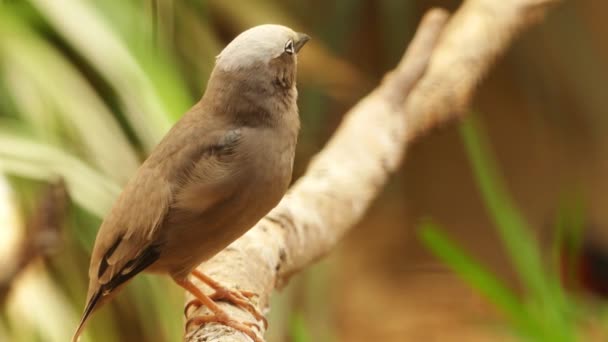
{"x":264,"y":51}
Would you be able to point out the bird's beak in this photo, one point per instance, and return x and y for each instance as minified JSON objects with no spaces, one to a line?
{"x":300,"y":41}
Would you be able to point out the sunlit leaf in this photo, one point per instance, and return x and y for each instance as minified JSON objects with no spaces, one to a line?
{"x":89,"y":33}
{"x":299,"y":331}
{"x":544,"y":293}
{"x":476,"y":275}
{"x":513,"y":229}
{"x":47,"y":90}
{"x":28,"y":158}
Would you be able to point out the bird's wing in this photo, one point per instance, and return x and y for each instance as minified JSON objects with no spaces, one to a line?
{"x":192,"y":176}
{"x":131,"y":226}
{"x":197,"y":177}
{"x":123,"y":246}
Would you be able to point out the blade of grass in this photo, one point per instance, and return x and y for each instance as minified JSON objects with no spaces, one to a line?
{"x":546,"y":298}
{"x":152,"y":44}
{"x":44,"y":85}
{"x":478,"y":277}
{"x":26,"y":157}
{"x":298,"y":330}
{"x":513,"y":229}
{"x":84,"y":28}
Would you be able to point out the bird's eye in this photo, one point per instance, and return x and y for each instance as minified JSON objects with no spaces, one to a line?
{"x":289,"y":47}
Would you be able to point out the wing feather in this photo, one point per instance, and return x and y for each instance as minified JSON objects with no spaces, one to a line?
{"x":193,"y":178}
{"x":182,"y":172}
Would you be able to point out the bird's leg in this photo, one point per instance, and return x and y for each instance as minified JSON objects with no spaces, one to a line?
{"x":237,"y":297}
{"x":219,"y":315}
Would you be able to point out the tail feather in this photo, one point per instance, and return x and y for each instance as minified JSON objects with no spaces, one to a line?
{"x":130,"y":269}
{"x":88,"y":310}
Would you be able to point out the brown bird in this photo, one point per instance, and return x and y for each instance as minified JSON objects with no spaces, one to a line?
{"x":219,"y":170}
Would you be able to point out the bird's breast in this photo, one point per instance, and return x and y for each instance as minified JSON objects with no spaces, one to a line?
{"x":270,"y":174}
{"x":262,"y":164}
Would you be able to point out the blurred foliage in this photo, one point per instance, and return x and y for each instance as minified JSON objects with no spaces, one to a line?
{"x":88,"y":87}
{"x":545,"y":312}
{"x":299,"y":331}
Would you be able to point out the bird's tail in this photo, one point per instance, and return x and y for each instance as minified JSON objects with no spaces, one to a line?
{"x":88,"y":310}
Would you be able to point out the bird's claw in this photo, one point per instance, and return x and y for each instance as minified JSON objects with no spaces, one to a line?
{"x":239,"y":298}
{"x":195,"y":303}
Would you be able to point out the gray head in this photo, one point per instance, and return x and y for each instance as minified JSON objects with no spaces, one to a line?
{"x":265,"y":49}
{"x":260,"y":45}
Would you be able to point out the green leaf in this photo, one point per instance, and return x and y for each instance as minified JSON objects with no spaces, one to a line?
{"x":148,"y":111}
{"x":512,"y":227}
{"x":52,"y":96}
{"x":26,"y":157}
{"x":545,"y":296}
{"x":476,"y":275}
{"x":299,"y":332}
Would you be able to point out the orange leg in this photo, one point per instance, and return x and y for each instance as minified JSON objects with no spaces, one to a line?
{"x":237,"y":297}
{"x":219,"y":315}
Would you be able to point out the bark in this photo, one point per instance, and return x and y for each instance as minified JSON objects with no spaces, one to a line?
{"x":433,"y":84}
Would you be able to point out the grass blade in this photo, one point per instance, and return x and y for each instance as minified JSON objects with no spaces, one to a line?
{"x":513,"y":229}
{"x":90,"y":34}
{"x":545,"y":295}
{"x":298,"y":331}
{"x":26,"y":157}
{"x":40,"y":80}
{"x":476,"y":275}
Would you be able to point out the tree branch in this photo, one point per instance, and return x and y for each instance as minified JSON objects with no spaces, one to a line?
{"x":433,"y":83}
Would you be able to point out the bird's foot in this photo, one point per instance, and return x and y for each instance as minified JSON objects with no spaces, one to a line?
{"x":239,"y":298}
{"x":236,"y":297}
{"x":224,"y":319}
{"x":218,"y":316}
{"x":194,"y":303}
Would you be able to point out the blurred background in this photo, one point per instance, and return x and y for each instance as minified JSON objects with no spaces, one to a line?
{"x":87,"y":88}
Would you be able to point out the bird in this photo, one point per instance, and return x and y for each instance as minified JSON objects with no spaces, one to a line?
{"x":220,"y":169}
